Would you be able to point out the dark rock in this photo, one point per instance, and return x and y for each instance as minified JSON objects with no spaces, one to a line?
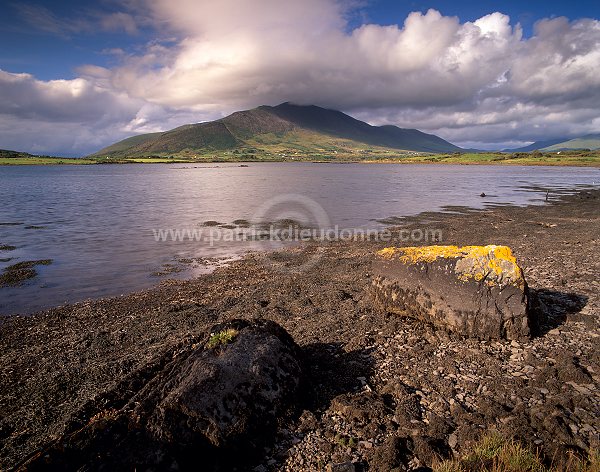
{"x":224,"y":393}
{"x":307,"y":422}
{"x":391,"y":455}
{"x":430,"y":450}
{"x":367,"y":412}
{"x":407,"y":405}
{"x":476,"y":291}
{"x":569,"y":369}
{"x":341,"y":467}
{"x":16,"y":274}
{"x":218,"y":403}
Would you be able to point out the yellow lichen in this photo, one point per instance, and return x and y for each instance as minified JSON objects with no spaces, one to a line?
{"x":387,"y":252}
{"x":496,"y":264}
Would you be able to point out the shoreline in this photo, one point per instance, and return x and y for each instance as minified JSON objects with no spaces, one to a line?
{"x":567,"y":159}
{"x":61,"y":365}
{"x":365,"y":162}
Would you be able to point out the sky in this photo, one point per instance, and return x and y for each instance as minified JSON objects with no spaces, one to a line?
{"x":76,"y":76}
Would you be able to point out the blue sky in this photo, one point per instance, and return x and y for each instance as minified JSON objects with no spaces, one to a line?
{"x":44,"y":37}
{"x":50,"y":55}
{"x":524,"y":12}
{"x":87,"y":73}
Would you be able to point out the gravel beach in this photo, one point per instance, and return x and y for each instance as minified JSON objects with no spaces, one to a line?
{"x":381,"y":391}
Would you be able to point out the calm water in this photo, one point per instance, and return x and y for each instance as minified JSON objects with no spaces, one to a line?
{"x":97,"y":222}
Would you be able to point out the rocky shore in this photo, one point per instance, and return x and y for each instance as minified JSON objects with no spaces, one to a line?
{"x":376,"y":391}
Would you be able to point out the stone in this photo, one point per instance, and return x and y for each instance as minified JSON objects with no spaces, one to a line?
{"x":341,"y":467}
{"x":390,"y":455}
{"x":452,"y":441}
{"x":222,"y":394}
{"x":218,"y":401}
{"x":474,"y":291}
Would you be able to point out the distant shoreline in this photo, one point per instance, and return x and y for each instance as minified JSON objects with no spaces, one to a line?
{"x":564,"y":159}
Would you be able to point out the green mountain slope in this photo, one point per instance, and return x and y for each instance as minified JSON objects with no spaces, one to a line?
{"x":536,"y":145}
{"x":286,"y":130}
{"x":129,"y":143}
{"x":591,"y":141}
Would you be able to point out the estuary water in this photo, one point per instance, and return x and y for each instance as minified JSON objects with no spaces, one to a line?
{"x":113,"y":229}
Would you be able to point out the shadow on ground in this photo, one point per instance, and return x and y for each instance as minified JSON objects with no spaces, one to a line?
{"x":331,"y":371}
{"x":554,"y":307}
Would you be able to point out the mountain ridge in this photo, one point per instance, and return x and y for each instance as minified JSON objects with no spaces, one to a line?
{"x":588,"y":141}
{"x":286,"y":128}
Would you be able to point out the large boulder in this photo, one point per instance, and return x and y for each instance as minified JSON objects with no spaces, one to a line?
{"x":476,"y":291}
{"x":215,"y":406}
{"x":230,"y":391}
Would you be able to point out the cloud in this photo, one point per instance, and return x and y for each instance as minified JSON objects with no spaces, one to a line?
{"x":473,"y":82}
{"x":119,"y":21}
{"x":43,"y":19}
{"x":73,"y":117}
{"x":468,"y":78}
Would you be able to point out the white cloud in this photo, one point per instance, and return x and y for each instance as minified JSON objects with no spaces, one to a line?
{"x":470,"y":82}
{"x":73,"y":117}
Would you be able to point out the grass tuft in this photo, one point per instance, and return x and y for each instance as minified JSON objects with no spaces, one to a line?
{"x":222,"y":338}
{"x":493,"y":453}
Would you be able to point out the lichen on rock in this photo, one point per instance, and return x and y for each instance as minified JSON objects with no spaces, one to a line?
{"x":496,"y":265}
{"x":477,"y":291}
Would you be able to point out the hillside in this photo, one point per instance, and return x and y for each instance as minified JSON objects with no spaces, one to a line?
{"x":536,"y":145}
{"x":15,"y":158}
{"x":286,"y":130}
{"x":8,"y":154}
{"x":590,"y":141}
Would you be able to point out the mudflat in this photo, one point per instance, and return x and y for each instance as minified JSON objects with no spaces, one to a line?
{"x":380,"y":390}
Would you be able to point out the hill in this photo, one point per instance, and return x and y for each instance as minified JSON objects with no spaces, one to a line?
{"x":8,"y":154}
{"x":14,"y":158}
{"x":285,"y":130}
{"x":536,"y":145}
{"x":590,"y":141}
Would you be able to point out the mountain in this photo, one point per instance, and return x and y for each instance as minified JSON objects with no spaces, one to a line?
{"x":8,"y":154}
{"x":590,"y":141}
{"x":286,"y":129}
{"x":536,"y":146}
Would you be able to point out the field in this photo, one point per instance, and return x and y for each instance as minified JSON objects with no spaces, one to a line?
{"x":305,"y":149}
{"x":565,"y":158}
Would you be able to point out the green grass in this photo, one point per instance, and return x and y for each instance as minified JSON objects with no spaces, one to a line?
{"x":565,"y":158}
{"x":222,"y":338}
{"x":38,"y":161}
{"x":157,"y":160}
{"x":493,"y":453}
{"x":304,"y":146}
{"x":346,"y":441}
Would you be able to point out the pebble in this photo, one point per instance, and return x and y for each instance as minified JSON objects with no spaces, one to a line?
{"x":341,"y":467}
{"x":365,"y":444}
